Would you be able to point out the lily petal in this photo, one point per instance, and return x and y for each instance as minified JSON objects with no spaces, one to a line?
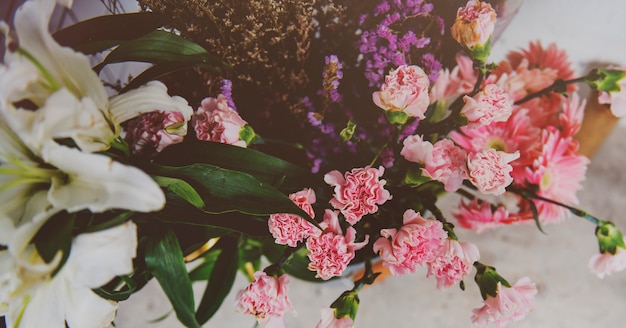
{"x":98,"y":183}
{"x":63,"y":65}
{"x":100,"y":256}
{"x":147,"y":98}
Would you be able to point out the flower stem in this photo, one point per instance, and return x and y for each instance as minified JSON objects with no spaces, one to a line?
{"x":559,"y":85}
{"x":573,"y":210}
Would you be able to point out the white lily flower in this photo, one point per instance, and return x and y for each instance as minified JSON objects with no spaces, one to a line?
{"x":40,"y":68}
{"x":95,"y":258}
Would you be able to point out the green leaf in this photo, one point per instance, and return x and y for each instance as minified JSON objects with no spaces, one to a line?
{"x":155,"y":72}
{"x":55,"y":236}
{"x":203,"y":270}
{"x":161,"y":47}
{"x":182,"y":189}
{"x":118,"y":295}
{"x":347,"y":132}
{"x":264,"y":167}
{"x":296,"y":265}
{"x":227,"y":191}
{"x":89,"y":36}
{"x":164,"y":260}
{"x":221,"y":279}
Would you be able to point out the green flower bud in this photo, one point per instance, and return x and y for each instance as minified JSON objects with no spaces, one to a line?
{"x":609,"y":237}
{"x":347,"y":132}
{"x":346,"y":305}
{"x":605,"y":79}
{"x":487,"y":279}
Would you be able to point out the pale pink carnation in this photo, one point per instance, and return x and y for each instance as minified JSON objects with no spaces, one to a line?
{"x":290,"y":229}
{"x":405,"y":90}
{"x":481,"y":215}
{"x":474,"y":24}
{"x":416,"y":150}
{"x":604,"y":264}
{"x":491,"y":104}
{"x":152,"y":132}
{"x":510,"y":304}
{"x":443,"y":161}
{"x":265,"y":298}
{"x":490,"y":171}
{"x":358,"y":193}
{"x":415,"y":243}
{"x":331,"y":252}
{"x":616,"y":99}
{"x":330,"y":321}
{"x":453,"y":260}
{"x":216,"y":121}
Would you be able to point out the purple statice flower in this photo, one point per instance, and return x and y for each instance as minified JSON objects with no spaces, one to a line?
{"x":331,"y":77}
{"x":431,"y":66}
{"x":397,"y":33}
{"x":227,"y":91}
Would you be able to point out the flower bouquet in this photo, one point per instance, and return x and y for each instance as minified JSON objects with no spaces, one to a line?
{"x":304,"y":137}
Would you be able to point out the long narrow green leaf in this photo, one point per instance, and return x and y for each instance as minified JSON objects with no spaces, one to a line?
{"x":89,"y":36}
{"x":182,"y":189}
{"x":227,"y":191}
{"x":221,"y":279}
{"x":160,"y":47}
{"x":264,"y":167}
{"x":164,"y":260}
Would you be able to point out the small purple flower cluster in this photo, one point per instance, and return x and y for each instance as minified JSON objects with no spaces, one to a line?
{"x":392,"y":40}
{"x":332,"y":75}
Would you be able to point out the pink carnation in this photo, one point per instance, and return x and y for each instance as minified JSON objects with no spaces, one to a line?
{"x":152,"y":132}
{"x":216,"y":121}
{"x":490,"y":171}
{"x":616,"y":99}
{"x":290,"y":229}
{"x":452,"y":262}
{"x":330,"y":321}
{"x":443,"y":161}
{"x":405,"y":90}
{"x":510,"y":304}
{"x":474,"y":24}
{"x":415,"y":243}
{"x":358,"y":193}
{"x":604,"y":264}
{"x":331,"y":252}
{"x":491,"y":104}
{"x":265,"y":298}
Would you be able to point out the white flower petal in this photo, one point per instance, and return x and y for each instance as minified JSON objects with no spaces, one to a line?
{"x":41,"y":309}
{"x":98,"y":183}
{"x":65,"y":116}
{"x":65,"y":66}
{"x":100,"y":256}
{"x":85,"y":309}
{"x":148,"y":98}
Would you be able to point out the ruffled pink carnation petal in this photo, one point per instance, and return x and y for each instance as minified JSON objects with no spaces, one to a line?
{"x":331,"y":252}
{"x":489,"y":170}
{"x":405,"y":90}
{"x":604,"y":264}
{"x":416,"y":150}
{"x":474,"y":24}
{"x":510,"y":304}
{"x":358,"y":193}
{"x":216,"y":121}
{"x":415,"y":243}
{"x":491,"y":104}
{"x":289,"y":229}
{"x":265,"y":298}
{"x":152,"y":132}
{"x":453,"y":260}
